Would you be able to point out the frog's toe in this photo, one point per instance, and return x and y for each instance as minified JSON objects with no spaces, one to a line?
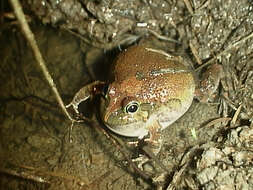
{"x":141,"y":160}
{"x":154,"y":146}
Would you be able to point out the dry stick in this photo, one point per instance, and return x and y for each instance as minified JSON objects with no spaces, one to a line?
{"x":185,"y":161}
{"x":227,"y":49}
{"x":160,"y":37}
{"x":195,"y":53}
{"x":189,"y":6}
{"x":215,"y":121}
{"x":236,"y":115}
{"x":107,"y":46}
{"x":23,"y":174}
{"x":30,"y":38}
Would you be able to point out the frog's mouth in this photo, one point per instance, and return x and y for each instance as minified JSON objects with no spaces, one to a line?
{"x":138,"y":128}
{"x":129,"y":130}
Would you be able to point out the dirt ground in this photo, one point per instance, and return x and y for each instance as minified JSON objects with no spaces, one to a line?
{"x":210,"y":147}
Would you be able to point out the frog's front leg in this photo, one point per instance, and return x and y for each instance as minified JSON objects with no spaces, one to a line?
{"x":155,"y":138}
{"x":150,"y":145}
{"x":85,"y":93}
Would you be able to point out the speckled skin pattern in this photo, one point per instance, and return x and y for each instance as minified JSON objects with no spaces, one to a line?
{"x":161,"y":84}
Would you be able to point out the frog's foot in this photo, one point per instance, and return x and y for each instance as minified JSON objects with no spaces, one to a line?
{"x":149,"y":145}
{"x":141,"y":160}
{"x":85,"y":93}
{"x":154,"y":142}
{"x":154,"y":145}
{"x":148,"y":149}
{"x":147,"y":158}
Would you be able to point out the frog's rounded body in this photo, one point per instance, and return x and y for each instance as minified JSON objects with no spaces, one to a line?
{"x":150,"y":88}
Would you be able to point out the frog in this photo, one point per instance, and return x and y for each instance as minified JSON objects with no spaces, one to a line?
{"x":150,"y":90}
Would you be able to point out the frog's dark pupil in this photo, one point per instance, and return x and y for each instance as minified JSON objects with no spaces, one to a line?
{"x":132,"y":107}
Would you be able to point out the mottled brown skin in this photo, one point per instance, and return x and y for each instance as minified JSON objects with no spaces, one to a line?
{"x":148,"y":77}
{"x":137,"y":60}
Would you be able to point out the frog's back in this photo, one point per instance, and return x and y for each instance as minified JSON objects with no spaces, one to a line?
{"x":141,"y":58}
{"x":163,"y":76}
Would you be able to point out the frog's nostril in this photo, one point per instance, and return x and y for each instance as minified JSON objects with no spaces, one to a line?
{"x":105,"y":89}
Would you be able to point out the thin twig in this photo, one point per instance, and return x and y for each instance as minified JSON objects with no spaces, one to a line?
{"x":23,"y":174}
{"x":195,"y":53}
{"x":127,"y":39}
{"x":161,"y":37}
{"x":176,"y":178}
{"x":229,"y":102}
{"x":215,"y":121}
{"x":189,"y":6}
{"x":30,"y":38}
{"x":235,"y":117}
{"x":185,"y":161}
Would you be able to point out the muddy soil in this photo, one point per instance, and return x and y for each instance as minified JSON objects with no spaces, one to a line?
{"x":210,"y":147}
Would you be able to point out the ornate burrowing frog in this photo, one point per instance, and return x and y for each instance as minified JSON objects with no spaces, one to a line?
{"x":151,"y":90}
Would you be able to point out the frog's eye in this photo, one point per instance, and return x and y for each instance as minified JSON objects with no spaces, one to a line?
{"x":132,"y":107}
